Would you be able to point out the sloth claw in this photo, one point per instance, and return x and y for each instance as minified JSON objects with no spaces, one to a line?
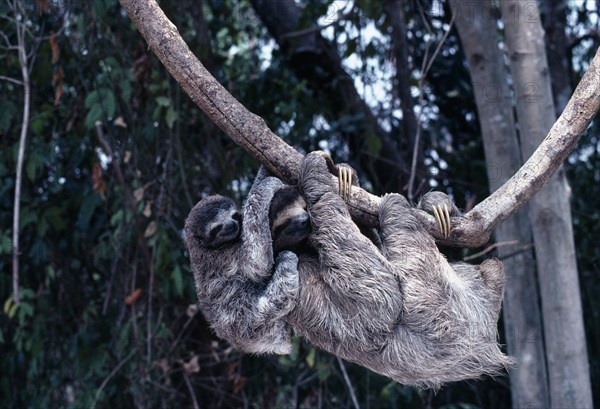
{"x":345,"y":181}
{"x":442,"y":208}
{"x":442,"y":216}
{"x":344,"y":173}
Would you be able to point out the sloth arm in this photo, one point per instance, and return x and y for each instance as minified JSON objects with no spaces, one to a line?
{"x":281,"y":294}
{"x":256,"y":233}
{"x":358,"y":277}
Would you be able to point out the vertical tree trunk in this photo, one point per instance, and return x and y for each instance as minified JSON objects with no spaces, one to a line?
{"x":550,"y":213}
{"x":522,"y":317}
{"x":555,"y":16}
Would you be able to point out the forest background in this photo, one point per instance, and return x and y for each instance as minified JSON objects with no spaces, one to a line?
{"x":106,"y":310}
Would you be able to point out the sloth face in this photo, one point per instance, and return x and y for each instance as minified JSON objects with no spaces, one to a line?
{"x":290,"y":222}
{"x":214,"y":222}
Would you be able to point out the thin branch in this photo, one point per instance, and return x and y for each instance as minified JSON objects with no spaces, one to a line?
{"x":9,"y":79}
{"x":7,"y":41}
{"x":440,"y":44}
{"x":490,"y":248}
{"x":348,"y":383}
{"x":126,"y":192}
{"x":251,"y":133}
{"x":427,"y":63}
{"x":187,"y":323}
{"x":310,"y":30}
{"x":192,"y":394}
{"x":110,"y":375}
{"x":20,"y":159}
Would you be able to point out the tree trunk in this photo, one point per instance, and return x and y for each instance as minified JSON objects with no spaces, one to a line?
{"x":557,"y":49}
{"x":550,"y":213}
{"x":522,"y":317}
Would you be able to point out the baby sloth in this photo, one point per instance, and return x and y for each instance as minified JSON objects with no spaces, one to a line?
{"x":242,"y":292}
{"x":396,"y":305}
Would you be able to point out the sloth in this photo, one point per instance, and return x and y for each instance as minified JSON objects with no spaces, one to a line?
{"x":395,"y":306}
{"x":242,"y":291}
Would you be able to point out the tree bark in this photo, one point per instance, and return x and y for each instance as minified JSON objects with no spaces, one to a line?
{"x":550,"y":213}
{"x":250,"y":132}
{"x":521,"y":310}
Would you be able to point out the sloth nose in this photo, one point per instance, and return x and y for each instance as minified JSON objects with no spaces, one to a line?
{"x":230,"y":227}
{"x":303,"y":221}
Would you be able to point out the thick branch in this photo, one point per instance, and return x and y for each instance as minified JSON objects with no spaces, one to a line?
{"x":250,"y":132}
{"x":549,"y":156}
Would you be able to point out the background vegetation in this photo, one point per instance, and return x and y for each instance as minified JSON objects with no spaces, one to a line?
{"x":107,"y":312}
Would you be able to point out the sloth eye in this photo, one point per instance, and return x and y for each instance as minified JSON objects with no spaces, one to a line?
{"x":237,"y":216}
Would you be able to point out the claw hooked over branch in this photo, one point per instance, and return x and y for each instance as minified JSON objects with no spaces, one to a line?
{"x":442,"y":216}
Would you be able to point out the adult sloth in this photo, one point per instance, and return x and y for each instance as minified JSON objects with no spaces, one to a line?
{"x":397,"y":307}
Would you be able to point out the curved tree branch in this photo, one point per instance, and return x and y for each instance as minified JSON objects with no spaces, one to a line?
{"x":250,"y":132}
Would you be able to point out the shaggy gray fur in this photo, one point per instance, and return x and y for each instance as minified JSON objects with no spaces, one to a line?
{"x":401,"y":309}
{"x":239,"y":294}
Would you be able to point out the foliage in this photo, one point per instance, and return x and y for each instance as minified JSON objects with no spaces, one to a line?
{"x":108,"y":303}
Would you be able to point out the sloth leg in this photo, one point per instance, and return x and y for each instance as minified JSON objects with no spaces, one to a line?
{"x":403,"y":237}
{"x":441,"y":207}
{"x":336,"y":237}
{"x":281,"y":294}
{"x":358,"y":280}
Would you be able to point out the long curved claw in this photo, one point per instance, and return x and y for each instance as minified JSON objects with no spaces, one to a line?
{"x":442,"y":216}
{"x":345,"y":182}
{"x":343,"y":172}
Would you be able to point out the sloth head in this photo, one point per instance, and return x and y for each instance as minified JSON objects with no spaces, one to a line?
{"x":290,"y":222}
{"x":213,"y":222}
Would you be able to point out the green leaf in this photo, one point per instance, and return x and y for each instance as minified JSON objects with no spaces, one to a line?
{"x":25,"y":310}
{"x":33,"y":166}
{"x":112,"y":63}
{"x":7,"y":114}
{"x":56,"y":218}
{"x":163,"y":332}
{"x":310,"y":358}
{"x":5,"y":244}
{"x":7,"y":304}
{"x":163,"y":101}
{"x":86,"y":211}
{"x":42,"y":227}
{"x":323,"y":371}
{"x":12,"y":310}
{"x":171,"y":117}
{"x":116,"y":218}
{"x":101,"y":104}
{"x":94,"y":114}
{"x":177,"y":280}
{"x":27,"y":217}
{"x":125,"y":339}
{"x":50,"y":272}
